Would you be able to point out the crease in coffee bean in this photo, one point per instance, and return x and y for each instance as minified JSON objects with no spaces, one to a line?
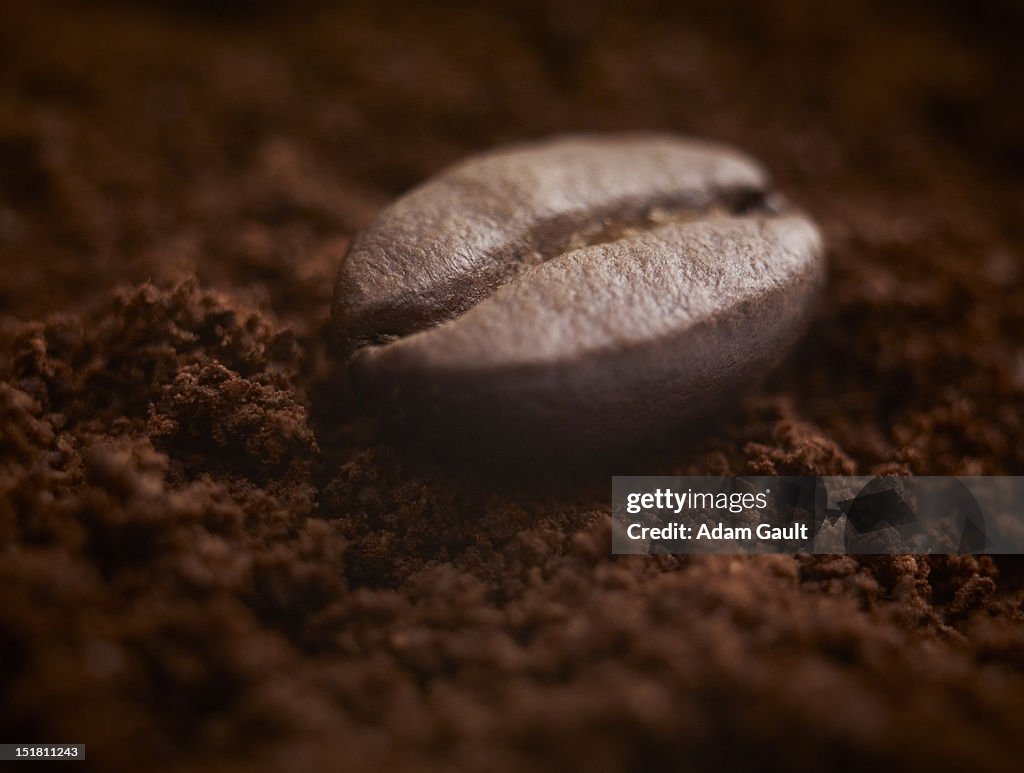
{"x":449,"y":243}
{"x":661,"y":223}
{"x":612,"y":231}
{"x":603,"y":229}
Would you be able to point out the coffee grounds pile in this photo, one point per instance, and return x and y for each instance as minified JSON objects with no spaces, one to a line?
{"x":211,"y":557}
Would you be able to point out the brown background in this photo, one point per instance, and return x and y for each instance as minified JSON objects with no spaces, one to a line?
{"x":207,"y":552}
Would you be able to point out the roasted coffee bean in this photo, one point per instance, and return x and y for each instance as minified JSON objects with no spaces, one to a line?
{"x":581,"y":292}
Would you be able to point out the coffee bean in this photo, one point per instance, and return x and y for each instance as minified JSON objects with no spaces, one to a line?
{"x":577,"y":293}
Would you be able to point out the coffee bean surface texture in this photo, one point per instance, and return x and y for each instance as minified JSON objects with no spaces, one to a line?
{"x":586,"y":290}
